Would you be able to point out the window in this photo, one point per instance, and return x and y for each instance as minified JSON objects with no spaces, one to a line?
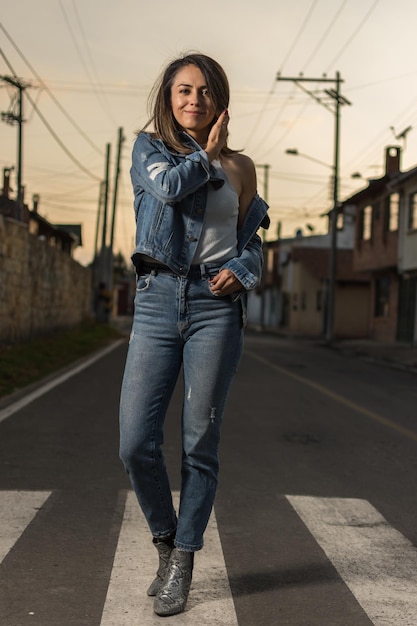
{"x":382,"y":286}
{"x":392,"y":207}
{"x":366,"y":223}
{"x":412,"y":211}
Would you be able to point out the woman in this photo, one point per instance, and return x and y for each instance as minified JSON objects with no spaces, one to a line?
{"x":197,"y":254}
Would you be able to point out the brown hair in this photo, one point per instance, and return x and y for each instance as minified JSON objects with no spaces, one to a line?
{"x":159,"y":101}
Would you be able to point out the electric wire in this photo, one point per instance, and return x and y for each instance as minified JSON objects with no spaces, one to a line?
{"x":321,"y":41}
{"x":267,"y":152}
{"x":325,"y":34}
{"x":368,"y":152}
{"x":260,"y":114}
{"x":311,"y":56}
{"x":298,"y":35}
{"x":59,"y":142}
{"x":49,"y":127}
{"x":49,"y":92}
{"x":354,"y":34}
{"x":92,"y":63}
{"x":289,"y":97}
{"x":93,"y":80}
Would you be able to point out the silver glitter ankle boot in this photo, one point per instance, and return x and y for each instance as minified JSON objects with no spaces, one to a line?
{"x":164,"y":552}
{"x":173,"y":594}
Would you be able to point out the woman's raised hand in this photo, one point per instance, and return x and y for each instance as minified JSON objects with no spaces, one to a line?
{"x":218,"y":136}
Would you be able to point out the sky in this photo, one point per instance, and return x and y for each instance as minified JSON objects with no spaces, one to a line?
{"x":89,"y":65}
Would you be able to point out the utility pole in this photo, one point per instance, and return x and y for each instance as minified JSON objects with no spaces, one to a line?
{"x":116,"y":185}
{"x":15,"y":116}
{"x":338,"y":101}
{"x":100,"y":204}
{"x":265,"y":167}
{"x":103,"y":251}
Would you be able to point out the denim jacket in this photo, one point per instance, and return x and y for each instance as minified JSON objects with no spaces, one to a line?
{"x":170,"y":198}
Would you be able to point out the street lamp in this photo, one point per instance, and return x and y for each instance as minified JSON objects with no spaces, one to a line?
{"x":295,"y":152}
{"x":333,"y":245}
{"x":338,"y":100}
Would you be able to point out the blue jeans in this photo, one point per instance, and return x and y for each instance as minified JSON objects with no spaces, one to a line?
{"x":178,"y":322}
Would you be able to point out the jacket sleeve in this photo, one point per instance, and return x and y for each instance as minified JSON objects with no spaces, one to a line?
{"x":247,"y":267}
{"x":167,"y":181}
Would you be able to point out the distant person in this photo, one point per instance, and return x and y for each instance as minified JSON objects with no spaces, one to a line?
{"x":197,"y":254}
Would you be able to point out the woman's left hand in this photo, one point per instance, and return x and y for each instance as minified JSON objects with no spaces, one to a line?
{"x":224,"y":283}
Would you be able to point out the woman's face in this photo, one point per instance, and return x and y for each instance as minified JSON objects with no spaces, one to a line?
{"x":191,"y":103}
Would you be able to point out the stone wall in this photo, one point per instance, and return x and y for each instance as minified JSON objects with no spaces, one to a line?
{"x":42,"y":289}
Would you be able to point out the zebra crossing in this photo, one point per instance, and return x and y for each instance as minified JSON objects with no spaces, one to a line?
{"x":376,"y":562}
{"x":210,"y":600}
{"x":17,"y":510}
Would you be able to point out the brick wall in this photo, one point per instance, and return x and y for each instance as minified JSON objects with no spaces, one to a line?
{"x":41,"y":288}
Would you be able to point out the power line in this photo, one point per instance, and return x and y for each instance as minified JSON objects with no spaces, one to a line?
{"x":60,"y":143}
{"x":260,"y":114}
{"x":338,"y":100}
{"x":311,"y":56}
{"x":282,"y":109}
{"x":330,"y":26}
{"x":381,"y":81}
{"x":300,"y":32}
{"x":93,"y":81}
{"x":288,"y":99}
{"x":352,"y":37}
{"x":49,"y":92}
{"x":49,"y":127}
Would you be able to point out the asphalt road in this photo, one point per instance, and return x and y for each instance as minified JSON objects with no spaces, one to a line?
{"x":315,"y":513}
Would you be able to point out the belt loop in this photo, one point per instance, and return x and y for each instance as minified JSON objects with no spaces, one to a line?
{"x":203,"y":270}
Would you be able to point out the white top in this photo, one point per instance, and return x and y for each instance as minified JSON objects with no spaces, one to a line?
{"x":218,"y":241}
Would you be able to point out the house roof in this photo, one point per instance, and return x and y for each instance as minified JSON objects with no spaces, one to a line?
{"x":74,"y":229}
{"x":377,"y":185}
{"x":64,"y":232}
{"x":10,"y":208}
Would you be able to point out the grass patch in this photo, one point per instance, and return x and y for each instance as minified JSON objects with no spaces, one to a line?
{"x":25,"y":363}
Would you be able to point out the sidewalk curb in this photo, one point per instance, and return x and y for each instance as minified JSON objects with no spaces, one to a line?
{"x":396,"y":356}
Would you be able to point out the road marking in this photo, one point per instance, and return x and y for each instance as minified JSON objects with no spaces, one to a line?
{"x":30,"y":397}
{"x":377,"y":563}
{"x":210,"y":600}
{"x":17,"y":510}
{"x":338,"y":398}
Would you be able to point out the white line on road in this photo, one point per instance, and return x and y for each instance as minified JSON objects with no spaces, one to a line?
{"x":377,"y":563}
{"x":210,"y":602}
{"x":17,"y":510}
{"x":30,"y":397}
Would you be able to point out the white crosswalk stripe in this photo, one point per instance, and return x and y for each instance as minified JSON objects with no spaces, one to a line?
{"x":210,"y":600}
{"x":17,"y":510}
{"x":377,"y":563}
